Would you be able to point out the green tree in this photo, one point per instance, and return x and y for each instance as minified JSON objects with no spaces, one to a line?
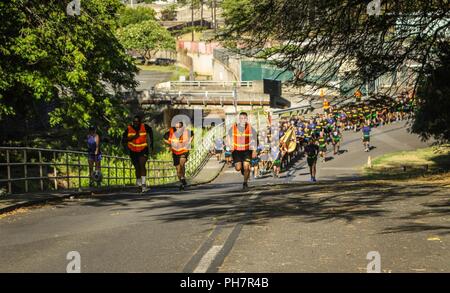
{"x":432,"y":114}
{"x":340,"y":32}
{"x":169,"y":13}
{"x":146,"y":38}
{"x":128,"y":15}
{"x":61,"y":72}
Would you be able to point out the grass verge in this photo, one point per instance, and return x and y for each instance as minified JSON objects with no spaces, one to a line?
{"x":424,"y":162}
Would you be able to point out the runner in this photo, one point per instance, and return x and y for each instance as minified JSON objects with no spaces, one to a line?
{"x":218,"y":148}
{"x":366,"y":136}
{"x":322,"y":145}
{"x":311,"y":151}
{"x":228,"y":156}
{"x":255,"y":163}
{"x":275,"y":158}
{"x":326,"y":106}
{"x":179,"y":139}
{"x":94,"y":155}
{"x":337,"y":136}
{"x":139,"y":137}
{"x":242,"y":139}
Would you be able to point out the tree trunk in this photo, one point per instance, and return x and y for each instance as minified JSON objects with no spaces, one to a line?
{"x":215,"y":15}
{"x":201,"y":13}
{"x":146,"y":56}
{"x":212,"y":13}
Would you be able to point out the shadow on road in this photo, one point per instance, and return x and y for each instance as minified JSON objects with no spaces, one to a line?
{"x":306,"y":203}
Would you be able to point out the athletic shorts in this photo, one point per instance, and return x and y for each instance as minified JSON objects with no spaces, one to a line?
{"x":136,"y":155}
{"x":255,"y":162}
{"x":176,"y":158}
{"x":218,"y":151}
{"x":227,"y":154}
{"x":336,"y":140}
{"x":322,"y":149}
{"x":366,"y":139}
{"x":311,"y":160}
{"x":242,"y":156}
{"x":95,"y":158}
{"x":277,"y":163}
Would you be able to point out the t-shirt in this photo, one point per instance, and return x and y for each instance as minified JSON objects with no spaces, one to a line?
{"x":218,"y":144}
{"x":366,"y":130}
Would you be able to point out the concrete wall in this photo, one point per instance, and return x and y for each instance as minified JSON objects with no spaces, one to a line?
{"x":222,"y":73}
{"x":232,"y":72}
{"x":203,"y":64}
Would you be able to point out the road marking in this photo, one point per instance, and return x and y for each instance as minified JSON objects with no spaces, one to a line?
{"x":207,"y":259}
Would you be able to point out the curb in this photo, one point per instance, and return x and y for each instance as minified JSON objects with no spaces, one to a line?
{"x":92,"y":192}
{"x":211,"y":180}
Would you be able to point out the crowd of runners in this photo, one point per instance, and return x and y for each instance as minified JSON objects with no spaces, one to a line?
{"x":270,"y":150}
{"x":315,"y":134}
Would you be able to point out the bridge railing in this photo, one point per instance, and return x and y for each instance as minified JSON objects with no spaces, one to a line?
{"x":24,"y":169}
{"x":210,"y":83}
{"x":201,"y":153}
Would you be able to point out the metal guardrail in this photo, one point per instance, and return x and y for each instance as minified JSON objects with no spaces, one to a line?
{"x":209,"y":83}
{"x":200,"y":155}
{"x":299,"y":110}
{"x":26,"y":169}
{"x":62,"y":169}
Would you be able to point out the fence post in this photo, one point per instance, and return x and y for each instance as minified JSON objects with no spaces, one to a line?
{"x":109,"y":168}
{"x":55,"y":174}
{"x":163,"y":173}
{"x":124,"y":173}
{"x":40,"y":171}
{"x":67,"y":170}
{"x":25,"y":169}
{"x":79,"y":172}
{"x":131,"y":172}
{"x":115,"y":170}
{"x":9,"y":172}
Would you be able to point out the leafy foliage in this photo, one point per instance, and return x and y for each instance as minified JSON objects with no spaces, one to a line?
{"x":128,"y":15}
{"x":60,"y":71}
{"x":169,"y":13}
{"x":146,"y":38}
{"x":433,"y":115}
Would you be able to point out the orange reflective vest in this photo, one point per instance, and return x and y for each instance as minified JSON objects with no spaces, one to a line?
{"x":326,"y":104}
{"x":140,"y":143}
{"x":241,"y":140}
{"x":179,"y":145}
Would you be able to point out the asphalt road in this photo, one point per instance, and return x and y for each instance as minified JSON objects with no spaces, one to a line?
{"x":147,"y":79}
{"x":217,"y":228}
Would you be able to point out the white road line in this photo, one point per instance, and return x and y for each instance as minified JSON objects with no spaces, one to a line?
{"x":207,"y":259}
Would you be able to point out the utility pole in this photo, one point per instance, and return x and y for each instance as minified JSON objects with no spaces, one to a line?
{"x":192,"y":19}
{"x":214,"y":15}
{"x":201,"y":13}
